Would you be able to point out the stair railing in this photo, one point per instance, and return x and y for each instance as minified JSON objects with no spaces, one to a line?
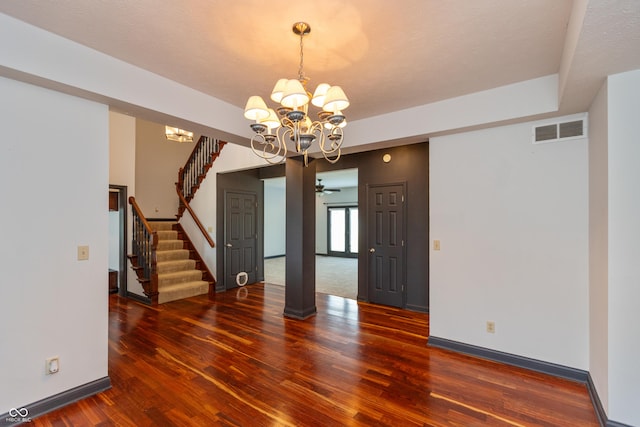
{"x":195,"y":169}
{"x":193,"y":173}
{"x":195,"y":217}
{"x":145,"y":242}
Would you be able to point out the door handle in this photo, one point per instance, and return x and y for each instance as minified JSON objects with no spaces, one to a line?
{"x":229,"y":245}
{"x":372,"y":250}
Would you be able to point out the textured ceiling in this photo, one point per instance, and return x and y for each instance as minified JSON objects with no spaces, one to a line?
{"x":387,"y":56}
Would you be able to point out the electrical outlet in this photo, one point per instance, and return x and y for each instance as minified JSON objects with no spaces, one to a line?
{"x":491,"y":327}
{"x":52,"y":365}
{"x":436,"y":245}
{"x":83,"y":253}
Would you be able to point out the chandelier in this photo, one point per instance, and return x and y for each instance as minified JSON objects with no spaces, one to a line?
{"x":292,"y":122}
{"x":177,"y":134}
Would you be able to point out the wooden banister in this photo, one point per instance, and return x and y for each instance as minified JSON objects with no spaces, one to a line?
{"x":198,"y":164}
{"x":144,"y":244}
{"x":194,"y":216}
{"x":136,"y":208}
{"x":193,"y":173}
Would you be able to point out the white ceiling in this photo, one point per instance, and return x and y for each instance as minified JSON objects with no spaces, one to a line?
{"x":387,"y":56}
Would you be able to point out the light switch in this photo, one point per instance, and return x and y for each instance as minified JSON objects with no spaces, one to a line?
{"x":436,"y":245}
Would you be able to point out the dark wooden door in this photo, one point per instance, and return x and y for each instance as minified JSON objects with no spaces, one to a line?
{"x":386,"y":237}
{"x":240,"y":237}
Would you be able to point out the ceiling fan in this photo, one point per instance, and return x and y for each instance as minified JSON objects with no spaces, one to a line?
{"x":321,"y":190}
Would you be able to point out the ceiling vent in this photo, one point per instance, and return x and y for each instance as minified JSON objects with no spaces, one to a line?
{"x":560,"y":131}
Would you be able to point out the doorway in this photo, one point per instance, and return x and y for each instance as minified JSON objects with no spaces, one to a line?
{"x":118,"y":239}
{"x":240,"y":237}
{"x":342,"y":231}
{"x":335,"y":275}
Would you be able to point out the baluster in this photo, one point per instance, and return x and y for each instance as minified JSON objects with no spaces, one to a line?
{"x":198,"y":166}
{"x":203,"y":156}
{"x":148,"y":256}
{"x":201,"y":152}
{"x":136,"y":237}
{"x":185,"y":179}
{"x":185,"y":183}
{"x":194,"y":177}
{"x":135,"y":234}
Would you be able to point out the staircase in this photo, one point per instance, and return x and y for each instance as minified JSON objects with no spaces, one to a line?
{"x":165,"y":260}
{"x":195,"y":170}
{"x":178,"y":275}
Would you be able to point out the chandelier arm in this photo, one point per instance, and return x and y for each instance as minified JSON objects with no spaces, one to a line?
{"x":292,"y":130}
{"x":332,"y":153}
{"x":336,"y":138}
{"x":282,"y":133}
{"x":332,"y":160}
{"x":272,"y":153}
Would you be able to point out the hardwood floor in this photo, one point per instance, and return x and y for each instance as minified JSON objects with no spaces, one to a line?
{"x":237,"y":361}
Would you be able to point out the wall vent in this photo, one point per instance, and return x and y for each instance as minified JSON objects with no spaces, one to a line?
{"x":560,"y":131}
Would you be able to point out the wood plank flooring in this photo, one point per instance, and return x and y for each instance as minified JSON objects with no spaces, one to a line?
{"x":236,"y":361}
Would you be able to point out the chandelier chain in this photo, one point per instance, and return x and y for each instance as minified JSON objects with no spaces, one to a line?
{"x":301,"y":76}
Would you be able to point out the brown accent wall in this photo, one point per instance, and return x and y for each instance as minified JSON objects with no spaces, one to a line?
{"x":410,"y":164}
{"x":248,"y":180}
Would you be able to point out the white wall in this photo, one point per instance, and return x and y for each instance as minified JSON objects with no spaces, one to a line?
{"x":232,"y":158}
{"x":624,"y":247}
{"x":598,"y":246}
{"x":275,"y":219}
{"x":54,"y":166}
{"x":158,"y":161}
{"x":335,"y":199}
{"x":122,"y":151}
{"x":512,"y":220}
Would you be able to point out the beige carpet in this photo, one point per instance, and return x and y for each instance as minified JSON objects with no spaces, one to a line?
{"x":178,"y":277}
{"x":334,"y":275}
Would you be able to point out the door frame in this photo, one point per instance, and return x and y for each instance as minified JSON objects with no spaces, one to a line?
{"x":366,"y":237}
{"x":225,"y":225}
{"x":345,"y":254}
{"x":122,"y":237}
